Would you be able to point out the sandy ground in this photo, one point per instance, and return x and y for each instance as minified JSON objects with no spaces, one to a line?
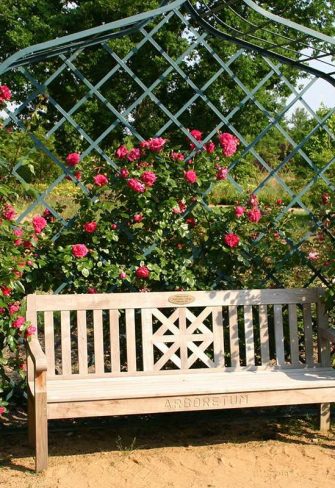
{"x":194,"y":450}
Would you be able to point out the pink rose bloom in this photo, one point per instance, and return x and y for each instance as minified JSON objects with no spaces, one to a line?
{"x":39,"y":223}
{"x":100,"y":180}
{"x":5,"y":93}
{"x":231,"y":240}
{"x":209,"y":147}
{"x":136,"y":185}
{"x":72,"y":159}
{"x":114,"y":226}
{"x":9,"y":212}
{"x":18,"y":322}
{"x":177,"y":156}
{"x":142,"y":272}
{"x":91,"y":291}
{"x":180,"y":209}
{"x":18,"y":232}
{"x":190,"y":176}
{"x":325,"y":198}
{"x":90,"y":227}
{"x":313,"y":256}
{"x":122,"y":275}
{"x":2,"y":410}
{"x":191,"y":222}
{"x":253,"y":200}
{"x":149,"y":178}
{"x":239,"y":211}
{"x":121,"y":152}
{"x":156,"y":144}
{"x":229,"y":144}
{"x":6,"y":291}
{"x":28,"y":244}
{"x":79,"y":250}
{"x":30,"y":331}
{"x":77,"y":175}
{"x":124,"y":173}
{"x":254,"y":215}
{"x":13,"y":308}
{"x":2,"y":310}
{"x":48,"y":216}
{"x":134,"y":154}
{"x":144,"y":144}
{"x":138,"y":218}
{"x":279,"y":201}
{"x":222,"y":174}
{"x":197,"y":134}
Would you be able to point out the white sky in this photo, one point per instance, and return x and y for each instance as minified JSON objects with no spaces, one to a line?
{"x":321,"y":92}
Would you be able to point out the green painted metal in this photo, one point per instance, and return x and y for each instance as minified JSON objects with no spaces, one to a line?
{"x":203,"y":23}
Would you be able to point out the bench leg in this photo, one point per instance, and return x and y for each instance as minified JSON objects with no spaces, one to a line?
{"x":31,"y":420}
{"x":325,"y":417}
{"x":41,"y":430}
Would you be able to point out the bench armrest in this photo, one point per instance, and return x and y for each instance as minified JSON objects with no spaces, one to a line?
{"x":327,"y":334}
{"x":37,"y":355}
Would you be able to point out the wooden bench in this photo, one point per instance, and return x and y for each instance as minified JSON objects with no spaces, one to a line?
{"x":140,"y":353}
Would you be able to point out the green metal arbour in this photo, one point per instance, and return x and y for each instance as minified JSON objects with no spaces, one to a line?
{"x":254,"y":31}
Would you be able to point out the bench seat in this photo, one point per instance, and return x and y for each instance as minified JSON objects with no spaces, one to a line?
{"x":77,"y":390}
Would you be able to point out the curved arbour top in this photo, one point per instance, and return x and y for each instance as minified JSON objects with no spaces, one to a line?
{"x":242,"y":22}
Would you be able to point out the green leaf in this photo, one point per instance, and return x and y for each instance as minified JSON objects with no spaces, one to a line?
{"x":85,"y":272}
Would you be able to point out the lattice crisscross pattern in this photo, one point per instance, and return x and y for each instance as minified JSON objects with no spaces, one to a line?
{"x":175,"y":72}
{"x":183,"y":338}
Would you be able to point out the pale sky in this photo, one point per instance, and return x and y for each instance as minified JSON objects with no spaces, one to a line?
{"x":321,"y":91}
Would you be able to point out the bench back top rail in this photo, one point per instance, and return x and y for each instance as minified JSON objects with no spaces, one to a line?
{"x":139,"y":333}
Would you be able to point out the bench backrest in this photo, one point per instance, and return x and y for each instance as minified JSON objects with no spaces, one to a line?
{"x":129,"y":333}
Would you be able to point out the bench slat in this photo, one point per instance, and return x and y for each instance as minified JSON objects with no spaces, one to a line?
{"x":264,"y":334}
{"x":82,"y":342}
{"x":114,"y":334}
{"x":181,"y":383}
{"x":249,"y":336}
{"x":66,"y":342}
{"x":49,"y":338}
{"x":233,"y":337}
{"x":147,"y":347}
{"x":98,"y":342}
{"x":307,"y":314}
{"x":294,"y":341}
{"x":279,"y":334}
{"x":324,"y":344}
{"x":218,"y":333}
{"x":162,"y":300}
{"x":131,"y":340}
{"x":183,"y":341}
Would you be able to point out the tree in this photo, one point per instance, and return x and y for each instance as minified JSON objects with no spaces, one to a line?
{"x":32,"y":21}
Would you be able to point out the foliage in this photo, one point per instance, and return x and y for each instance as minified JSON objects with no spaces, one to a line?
{"x":323,"y":247}
{"x":19,"y":153}
{"x":161,"y":222}
{"x":28,"y":22}
{"x":17,"y":243}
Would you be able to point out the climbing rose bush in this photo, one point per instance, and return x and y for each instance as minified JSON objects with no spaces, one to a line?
{"x":18,"y":244}
{"x":146,"y":224}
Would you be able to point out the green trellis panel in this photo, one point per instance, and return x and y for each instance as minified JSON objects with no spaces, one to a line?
{"x":65,"y":57}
